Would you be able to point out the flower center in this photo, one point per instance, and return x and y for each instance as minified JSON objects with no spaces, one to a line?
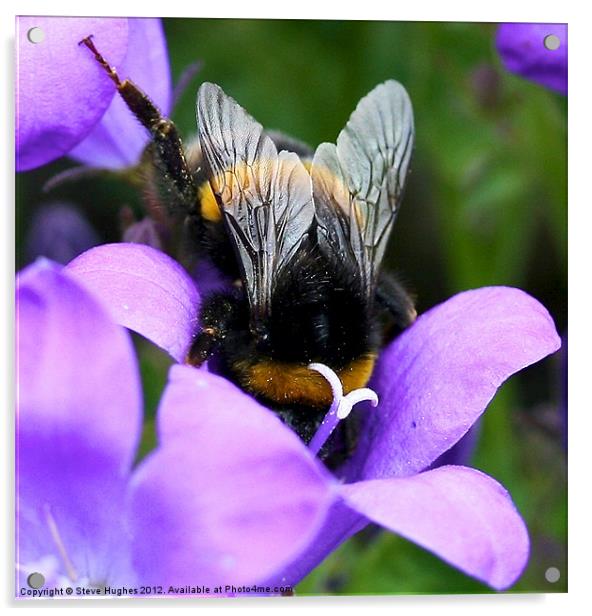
{"x":341,"y":406}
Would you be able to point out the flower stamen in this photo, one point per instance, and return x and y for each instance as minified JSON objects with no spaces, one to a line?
{"x":57,"y":539}
{"x":341,"y":406}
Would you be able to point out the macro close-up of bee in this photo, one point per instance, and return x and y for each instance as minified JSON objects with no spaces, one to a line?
{"x":301,"y":233}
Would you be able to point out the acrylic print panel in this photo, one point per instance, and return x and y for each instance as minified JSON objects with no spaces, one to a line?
{"x":237,"y":374}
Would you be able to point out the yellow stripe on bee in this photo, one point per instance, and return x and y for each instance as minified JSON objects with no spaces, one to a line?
{"x":210,"y":210}
{"x":338,"y":193}
{"x":209,"y":206}
{"x":289,"y":383}
{"x":243,"y":176}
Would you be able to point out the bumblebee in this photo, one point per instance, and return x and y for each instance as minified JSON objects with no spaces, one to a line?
{"x":301,"y":232}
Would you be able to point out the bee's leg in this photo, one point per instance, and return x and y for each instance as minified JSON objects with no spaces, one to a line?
{"x":204,"y":345}
{"x":177,"y":182}
{"x":216,"y":318}
{"x":391,"y":294}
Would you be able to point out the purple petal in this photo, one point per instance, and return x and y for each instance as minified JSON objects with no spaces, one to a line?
{"x":460,"y":514}
{"x":78,"y":422}
{"x":61,"y":91}
{"x":231,"y":495}
{"x":59,"y":232}
{"x":462,"y":452}
{"x":435,"y":380}
{"x":144,"y":290}
{"x":119,"y":139}
{"x":341,"y":523}
{"x":522,"y":50}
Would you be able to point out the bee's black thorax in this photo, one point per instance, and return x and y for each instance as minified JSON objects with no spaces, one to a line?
{"x":316,"y":315}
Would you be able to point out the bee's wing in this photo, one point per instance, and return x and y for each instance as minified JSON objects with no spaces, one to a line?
{"x":358,"y":184}
{"x":265,"y":197}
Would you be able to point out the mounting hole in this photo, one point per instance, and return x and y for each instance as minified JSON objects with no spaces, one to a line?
{"x":36,"y":580}
{"x":36,"y":35}
{"x":552,"y":575}
{"x":551,"y":42}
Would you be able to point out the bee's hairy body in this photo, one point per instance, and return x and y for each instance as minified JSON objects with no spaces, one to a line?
{"x":314,"y":317}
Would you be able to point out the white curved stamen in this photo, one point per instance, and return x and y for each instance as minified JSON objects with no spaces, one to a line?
{"x":334,"y":382}
{"x":355,"y":396}
{"x":341,"y":406}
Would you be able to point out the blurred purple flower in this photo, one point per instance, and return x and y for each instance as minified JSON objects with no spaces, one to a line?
{"x":144,"y":231}
{"x":118,"y":140}
{"x":433,"y":382}
{"x":523,"y":51}
{"x":200,"y":509}
{"x":61,"y":91}
{"x":59,"y":232}
{"x":563,"y":390}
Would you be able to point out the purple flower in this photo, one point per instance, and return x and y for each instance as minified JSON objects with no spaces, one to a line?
{"x":61,"y":91}
{"x":59,"y":232}
{"x":145,"y":231}
{"x":526,"y":51}
{"x":200,"y":509}
{"x":66,"y":103}
{"x":433,"y":383}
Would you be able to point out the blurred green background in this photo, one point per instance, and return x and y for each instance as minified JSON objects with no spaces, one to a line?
{"x":486,"y":204}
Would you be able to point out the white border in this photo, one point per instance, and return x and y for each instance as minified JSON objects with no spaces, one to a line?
{"x":580,"y":229}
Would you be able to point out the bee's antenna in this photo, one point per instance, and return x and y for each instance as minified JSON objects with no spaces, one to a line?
{"x":87,"y":42}
{"x":169,"y":155}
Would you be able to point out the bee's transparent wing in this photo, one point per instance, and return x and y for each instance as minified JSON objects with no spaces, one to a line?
{"x":265,"y":197}
{"x":358,"y":184}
